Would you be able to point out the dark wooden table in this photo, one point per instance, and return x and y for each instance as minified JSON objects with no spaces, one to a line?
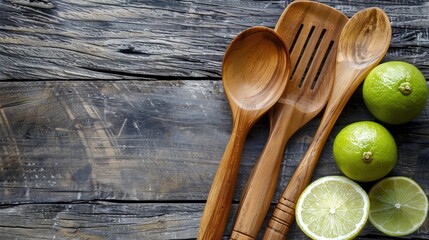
{"x":113,"y":117}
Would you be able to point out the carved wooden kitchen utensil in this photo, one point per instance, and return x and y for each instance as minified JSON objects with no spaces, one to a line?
{"x":254,"y":72}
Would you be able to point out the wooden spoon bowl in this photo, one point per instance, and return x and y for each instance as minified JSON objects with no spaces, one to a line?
{"x":255,"y":67}
{"x":364,"y":42}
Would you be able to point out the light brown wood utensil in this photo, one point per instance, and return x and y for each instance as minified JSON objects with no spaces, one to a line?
{"x":311,"y":31}
{"x":363,"y":43}
{"x":255,"y":67}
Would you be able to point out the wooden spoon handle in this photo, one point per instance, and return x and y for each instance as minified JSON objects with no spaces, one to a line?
{"x":219,"y":200}
{"x":261,"y":186}
{"x":284,"y":214}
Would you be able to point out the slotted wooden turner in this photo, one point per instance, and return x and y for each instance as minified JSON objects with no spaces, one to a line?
{"x":310,"y":31}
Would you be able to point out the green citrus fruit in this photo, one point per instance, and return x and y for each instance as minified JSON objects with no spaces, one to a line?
{"x":395,"y":92}
{"x":332,"y":207}
{"x":365,"y":151}
{"x":399,"y":206}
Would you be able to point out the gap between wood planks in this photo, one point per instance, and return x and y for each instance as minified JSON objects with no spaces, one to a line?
{"x":109,"y":201}
{"x":150,"y":76}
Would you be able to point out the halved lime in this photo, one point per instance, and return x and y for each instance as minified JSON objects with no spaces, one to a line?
{"x":332,"y":207}
{"x":399,"y":206}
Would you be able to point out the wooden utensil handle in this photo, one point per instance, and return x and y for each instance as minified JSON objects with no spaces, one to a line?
{"x":219,"y":200}
{"x":260,"y":188}
{"x":284,"y":214}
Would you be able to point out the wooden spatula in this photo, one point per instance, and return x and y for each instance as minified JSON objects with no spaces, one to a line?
{"x":311,"y":31}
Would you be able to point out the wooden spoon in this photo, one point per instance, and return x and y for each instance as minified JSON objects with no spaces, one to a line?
{"x":311,"y":31}
{"x":363,"y":43}
{"x":255,"y":67}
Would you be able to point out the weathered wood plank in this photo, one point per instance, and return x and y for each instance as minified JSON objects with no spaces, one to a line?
{"x":124,"y":39}
{"x":66,"y":141}
{"x":144,"y":142}
{"x":128,"y":39}
{"x":122,"y":221}
{"x":100,"y":220}
{"x":117,"y":140}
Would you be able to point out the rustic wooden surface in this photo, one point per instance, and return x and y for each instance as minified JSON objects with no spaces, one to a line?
{"x":122,"y":133}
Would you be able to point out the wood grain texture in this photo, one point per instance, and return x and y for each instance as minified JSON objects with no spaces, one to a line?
{"x":128,"y":39}
{"x":80,"y":142}
{"x":100,"y":220}
{"x":135,"y":159}
{"x":106,"y":140}
{"x":123,"y":38}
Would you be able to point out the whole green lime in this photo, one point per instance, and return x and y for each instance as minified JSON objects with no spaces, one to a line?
{"x":365,"y":151}
{"x":395,"y":92}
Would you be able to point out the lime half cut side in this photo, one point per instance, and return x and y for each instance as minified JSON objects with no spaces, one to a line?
{"x":332,"y":207}
{"x":399,"y":206}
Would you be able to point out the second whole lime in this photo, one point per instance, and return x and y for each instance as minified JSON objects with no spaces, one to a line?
{"x":365,"y":151}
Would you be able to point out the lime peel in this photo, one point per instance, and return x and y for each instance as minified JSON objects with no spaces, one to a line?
{"x":365,"y":151}
{"x":395,"y":92}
